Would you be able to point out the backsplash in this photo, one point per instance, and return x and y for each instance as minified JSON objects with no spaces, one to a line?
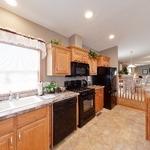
{"x":21,"y":94}
{"x":60,"y":80}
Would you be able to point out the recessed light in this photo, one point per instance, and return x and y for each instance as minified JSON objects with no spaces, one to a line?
{"x":111,"y":36}
{"x":11,"y":2}
{"x":88,"y":14}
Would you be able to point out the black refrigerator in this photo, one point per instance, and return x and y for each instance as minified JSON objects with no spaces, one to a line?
{"x":106,"y":76}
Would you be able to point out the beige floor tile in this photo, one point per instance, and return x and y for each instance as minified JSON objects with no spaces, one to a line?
{"x":121,"y":128}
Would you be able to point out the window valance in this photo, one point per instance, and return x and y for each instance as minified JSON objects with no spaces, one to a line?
{"x":10,"y":37}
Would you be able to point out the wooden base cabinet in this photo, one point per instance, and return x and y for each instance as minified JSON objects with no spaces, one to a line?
{"x":99,"y":99}
{"x":7,"y":134}
{"x":33,"y":136}
{"x":7,"y":142}
{"x":28,"y":131}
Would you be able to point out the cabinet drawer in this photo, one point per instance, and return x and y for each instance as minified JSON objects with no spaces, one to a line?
{"x":30,"y":117}
{"x":7,"y":126}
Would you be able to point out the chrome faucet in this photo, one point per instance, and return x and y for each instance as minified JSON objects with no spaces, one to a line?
{"x":10,"y":95}
{"x":17,"y":96}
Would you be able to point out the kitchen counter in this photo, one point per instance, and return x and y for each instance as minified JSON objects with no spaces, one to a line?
{"x":95,"y":86}
{"x":147,"y":89}
{"x":41,"y":102}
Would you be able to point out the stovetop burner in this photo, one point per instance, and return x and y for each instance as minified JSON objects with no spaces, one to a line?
{"x":80,"y":90}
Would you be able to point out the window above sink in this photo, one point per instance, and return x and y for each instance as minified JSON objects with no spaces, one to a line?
{"x":19,"y":68}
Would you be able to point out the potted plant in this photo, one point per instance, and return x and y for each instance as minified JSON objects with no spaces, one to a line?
{"x":123,"y":71}
{"x":50,"y":87}
{"x":92,"y":54}
{"x":55,"y":42}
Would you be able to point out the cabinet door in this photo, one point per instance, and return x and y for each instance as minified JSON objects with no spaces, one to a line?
{"x":97,"y":104}
{"x":103,"y":61}
{"x":62,"y":59}
{"x":85,"y":57}
{"x":76,"y":55}
{"x":93,"y":66}
{"x":34,"y":136}
{"x":7,"y":142}
{"x":99,"y":100}
{"x":79,"y":56}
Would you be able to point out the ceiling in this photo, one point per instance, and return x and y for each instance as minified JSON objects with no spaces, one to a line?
{"x":129,"y":20}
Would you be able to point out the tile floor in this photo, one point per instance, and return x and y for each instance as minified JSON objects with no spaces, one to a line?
{"x":121,"y":128}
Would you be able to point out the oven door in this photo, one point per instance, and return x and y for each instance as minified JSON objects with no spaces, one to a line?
{"x":86,"y":107}
{"x":79,"y":69}
{"x":87,"y":103}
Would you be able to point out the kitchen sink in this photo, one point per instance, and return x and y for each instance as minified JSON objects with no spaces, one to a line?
{"x":26,"y":101}
{"x":14,"y":104}
{"x":5,"y":106}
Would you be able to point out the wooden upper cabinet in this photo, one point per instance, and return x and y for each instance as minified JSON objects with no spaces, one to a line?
{"x":7,"y":142}
{"x":79,"y":54}
{"x":93,"y":66}
{"x":103,"y":61}
{"x":58,"y":61}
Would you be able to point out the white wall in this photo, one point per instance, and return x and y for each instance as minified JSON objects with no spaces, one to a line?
{"x":18,"y":24}
{"x":113,"y":54}
{"x":139,"y":70}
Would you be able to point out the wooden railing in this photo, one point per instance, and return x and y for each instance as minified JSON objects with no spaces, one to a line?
{"x":131,"y":97}
{"x":147,"y":115}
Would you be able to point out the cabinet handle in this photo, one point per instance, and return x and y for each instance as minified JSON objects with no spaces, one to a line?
{"x":19,"y":136}
{"x":11,"y":140}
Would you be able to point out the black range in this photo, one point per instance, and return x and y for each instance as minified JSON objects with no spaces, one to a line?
{"x":86,"y":100}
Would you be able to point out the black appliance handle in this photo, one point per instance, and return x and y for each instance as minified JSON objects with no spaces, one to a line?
{"x":84,"y":83}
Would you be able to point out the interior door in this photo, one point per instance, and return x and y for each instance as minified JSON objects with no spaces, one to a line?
{"x":34,"y":136}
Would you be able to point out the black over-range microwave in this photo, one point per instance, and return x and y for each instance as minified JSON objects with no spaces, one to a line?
{"x":79,"y":69}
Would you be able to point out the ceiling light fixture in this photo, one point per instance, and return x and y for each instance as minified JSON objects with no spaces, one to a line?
{"x":111,"y":36}
{"x":131,"y":65}
{"x":88,"y":14}
{"x":11,"y":2}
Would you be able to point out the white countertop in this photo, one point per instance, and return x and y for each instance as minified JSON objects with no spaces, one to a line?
{"x":147,"y":89}
{"x":14,"y":107}
{"x":96,"y":86}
